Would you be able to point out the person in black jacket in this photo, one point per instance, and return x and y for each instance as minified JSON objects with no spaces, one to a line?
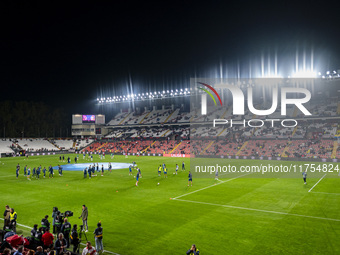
{"x":6,"y":216}
{"x":61,"y":244}
{"x":33,"y":232}
{"x":98,"y":236}
{"x":66,"y":229}
{"x":45,"y":223}
{"x":193,"y":250}
{"x":74,"y":238}
{"x":38,"y":237}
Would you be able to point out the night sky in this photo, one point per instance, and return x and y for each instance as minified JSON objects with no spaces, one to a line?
{"x":70,"y":54}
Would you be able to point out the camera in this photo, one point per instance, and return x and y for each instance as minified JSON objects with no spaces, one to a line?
{"x":62,"y":215}
{"x":68,"y":213}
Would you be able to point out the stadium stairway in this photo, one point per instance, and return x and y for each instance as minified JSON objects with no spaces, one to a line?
{"x":335,"y":147}
{"x":285,"y":150}
{"x":87,"y":146}
{"x":338,"y":110}
{"x":54,"y":145}
{"x":101,"y":146}
{"x":120,"y":123}
{"x":221,"y":131}
{"x":242,"y":147}
{"x":144,"y":117}
{"x":224,"y":114}
{"x":168,"y":117}
{"x":295,"y":112}
{"x":209,"y":145}
{"x":144,"y":150}
{"x":294,"y":131}
{"x":165,"y":133}
{"x":175,"y":148}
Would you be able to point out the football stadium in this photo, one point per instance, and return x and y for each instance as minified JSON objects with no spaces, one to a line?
{"x":240,"y":158}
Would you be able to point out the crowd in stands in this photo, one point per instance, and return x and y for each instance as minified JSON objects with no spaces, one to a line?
{"x":45,"y":240}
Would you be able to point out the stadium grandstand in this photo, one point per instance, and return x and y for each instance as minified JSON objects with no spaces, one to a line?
{"x":171,"y":126}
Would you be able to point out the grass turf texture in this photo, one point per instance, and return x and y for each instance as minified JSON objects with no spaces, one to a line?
{"x":144,"y":220}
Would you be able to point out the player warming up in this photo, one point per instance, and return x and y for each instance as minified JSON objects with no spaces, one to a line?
{"x":139,"y":174}
{"x":304,"y":176}
{"x":190,"y":178}
{"x":159,"y":170}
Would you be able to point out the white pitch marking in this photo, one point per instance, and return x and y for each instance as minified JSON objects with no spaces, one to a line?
{"x":259,"y":210}
{"x":317,"y":183}
{"x":210,"y":186}
{"x":328,"y":193}
{"x":80,"y":243}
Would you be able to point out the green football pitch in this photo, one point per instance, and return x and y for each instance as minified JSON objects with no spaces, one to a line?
{"x":239,"y":214}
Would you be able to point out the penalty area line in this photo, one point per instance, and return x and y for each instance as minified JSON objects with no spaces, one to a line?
{"x":210,"y":186}
{"x":317,"y":183}
{"x":24,"y":226}
{"x":259,"y":210}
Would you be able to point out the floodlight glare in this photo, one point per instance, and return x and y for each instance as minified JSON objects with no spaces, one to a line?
{"x":304,"y":74}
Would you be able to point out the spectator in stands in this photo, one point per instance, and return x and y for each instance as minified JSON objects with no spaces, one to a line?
{"x":40,"y":251}
{"x":19,"y":251}
{"x":47,"y":239}
{"x":7,"y":251}
{"x":61,"y":244}
{"x":89,"y":250}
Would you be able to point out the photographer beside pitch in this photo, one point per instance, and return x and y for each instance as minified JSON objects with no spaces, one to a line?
{"x":83,"y":216}
{"x":74,"y":238}
{"x":66,"y":229}
{"x":98,"y":236}
{"x":193,"y":250}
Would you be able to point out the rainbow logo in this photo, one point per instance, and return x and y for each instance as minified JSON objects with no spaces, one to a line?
{"x":209,"y":93}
